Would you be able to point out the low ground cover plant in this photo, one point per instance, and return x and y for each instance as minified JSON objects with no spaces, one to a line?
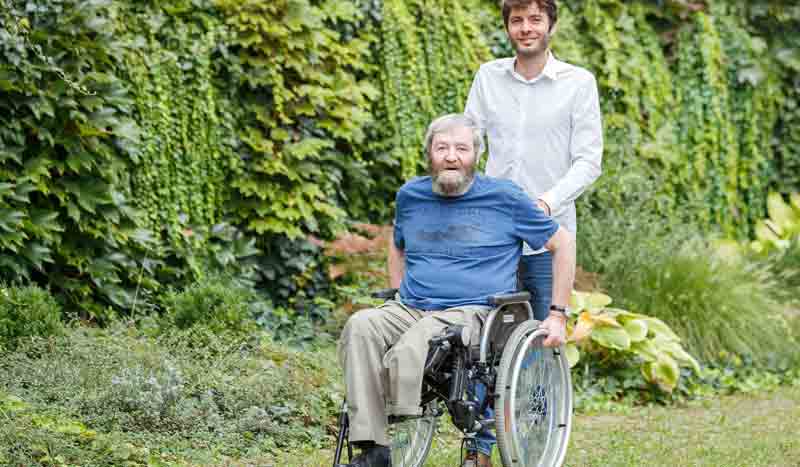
{"x":125,"y":395}
{"x":163,"y":396}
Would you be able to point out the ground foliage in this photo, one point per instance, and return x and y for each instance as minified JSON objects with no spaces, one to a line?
{"x":145,"y":144}
{"x":143,"y":395}
{"x":714,"y":303}
{"x":124,"y":395}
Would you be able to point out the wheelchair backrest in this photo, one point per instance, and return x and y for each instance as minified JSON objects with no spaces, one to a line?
{"x":499,"y":325}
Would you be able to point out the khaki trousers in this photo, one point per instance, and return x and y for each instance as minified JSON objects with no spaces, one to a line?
{"x":383,"y":352}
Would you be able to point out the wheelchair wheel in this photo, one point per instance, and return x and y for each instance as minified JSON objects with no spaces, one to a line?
{"x":411,"y":439}
{"x":534,"y":404}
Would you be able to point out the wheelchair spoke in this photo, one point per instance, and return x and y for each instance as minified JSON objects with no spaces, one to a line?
{"x":411,"y":440}
{"x":533,"y":412}
{"x":538,"y":405}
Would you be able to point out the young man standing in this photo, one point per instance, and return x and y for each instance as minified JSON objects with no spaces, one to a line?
{"x":542,"y":120}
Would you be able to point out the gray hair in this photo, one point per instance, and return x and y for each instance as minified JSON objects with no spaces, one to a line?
{"x":448,"y":122}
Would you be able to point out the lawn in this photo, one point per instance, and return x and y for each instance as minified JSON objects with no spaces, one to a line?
{"x":734,"y":431}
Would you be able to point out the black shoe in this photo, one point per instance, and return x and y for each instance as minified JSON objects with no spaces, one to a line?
{"x":378,"y":456}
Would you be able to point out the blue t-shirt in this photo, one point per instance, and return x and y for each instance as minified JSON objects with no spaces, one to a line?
{"x":462,"y":250}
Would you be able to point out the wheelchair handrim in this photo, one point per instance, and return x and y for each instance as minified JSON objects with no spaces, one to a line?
{"x":559,"y":424}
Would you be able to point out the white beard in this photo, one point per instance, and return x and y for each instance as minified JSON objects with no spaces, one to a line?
{"x":452,"y":183}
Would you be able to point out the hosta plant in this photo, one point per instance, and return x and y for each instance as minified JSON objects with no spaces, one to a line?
{"x":783,"y":224}
{"x":776,"y":246}
{"x":595,"y":327}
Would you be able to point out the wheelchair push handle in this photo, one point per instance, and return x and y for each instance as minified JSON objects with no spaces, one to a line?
{"x":508,"y":298}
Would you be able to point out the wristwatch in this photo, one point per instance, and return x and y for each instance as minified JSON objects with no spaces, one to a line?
{"x":560,"y":309}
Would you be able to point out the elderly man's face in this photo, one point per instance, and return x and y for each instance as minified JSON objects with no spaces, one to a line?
{"x":452,"y":156}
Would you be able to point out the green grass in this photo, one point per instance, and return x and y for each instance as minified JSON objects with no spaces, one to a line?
{"x":757,"y":430}
{"x":734,"y":431}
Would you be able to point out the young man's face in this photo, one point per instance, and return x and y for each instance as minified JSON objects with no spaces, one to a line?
{"x":452,"y":156}
{"x":529,"y":30}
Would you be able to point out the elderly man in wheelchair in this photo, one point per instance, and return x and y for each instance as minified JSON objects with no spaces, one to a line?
{"x":456,"y":334}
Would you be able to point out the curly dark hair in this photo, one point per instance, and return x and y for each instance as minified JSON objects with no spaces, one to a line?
{"x":548,"y":6}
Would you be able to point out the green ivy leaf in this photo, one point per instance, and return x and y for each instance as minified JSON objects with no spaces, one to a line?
{"x":37,"y":254}
{"x":10,"y":219}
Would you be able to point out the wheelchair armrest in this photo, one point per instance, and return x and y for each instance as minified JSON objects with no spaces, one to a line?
{"x":505,"y":299}
{"x":385,"y":294}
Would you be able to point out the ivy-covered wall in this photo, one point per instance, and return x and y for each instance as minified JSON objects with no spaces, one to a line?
{"x":427,"y":53}
{"x":67,"y":139}
{"x":144,"y":144}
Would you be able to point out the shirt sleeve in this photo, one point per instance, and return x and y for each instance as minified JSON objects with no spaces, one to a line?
{"x":585,"y":148}
{"x":531,"y":224}
{"x":475,"y":107}
{"x":399,"y":238}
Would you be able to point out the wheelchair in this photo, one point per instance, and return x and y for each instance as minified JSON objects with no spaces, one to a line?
{"x":528,"y":385}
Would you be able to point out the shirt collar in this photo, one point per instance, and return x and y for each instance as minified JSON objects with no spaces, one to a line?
{"x":550,"y":70}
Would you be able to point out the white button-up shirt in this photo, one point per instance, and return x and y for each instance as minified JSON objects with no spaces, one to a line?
{"x":545,"y":134}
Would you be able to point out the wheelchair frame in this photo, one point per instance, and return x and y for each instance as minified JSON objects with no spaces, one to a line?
{"x":453,"y":368}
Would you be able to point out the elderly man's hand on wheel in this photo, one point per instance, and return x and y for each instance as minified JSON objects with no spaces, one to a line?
{"x":556,"y":326}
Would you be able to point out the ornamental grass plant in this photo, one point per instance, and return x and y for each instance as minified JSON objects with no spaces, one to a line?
{"x":716,"y":306}
{"x":668,"y":271}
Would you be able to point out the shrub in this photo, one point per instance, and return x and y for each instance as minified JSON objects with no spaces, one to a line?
{"x":666,"y":271}
{"x":215,"y":303}
{"x":27,"y":311}
{"x":146,"y":392}
{"x":356,"y":266}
